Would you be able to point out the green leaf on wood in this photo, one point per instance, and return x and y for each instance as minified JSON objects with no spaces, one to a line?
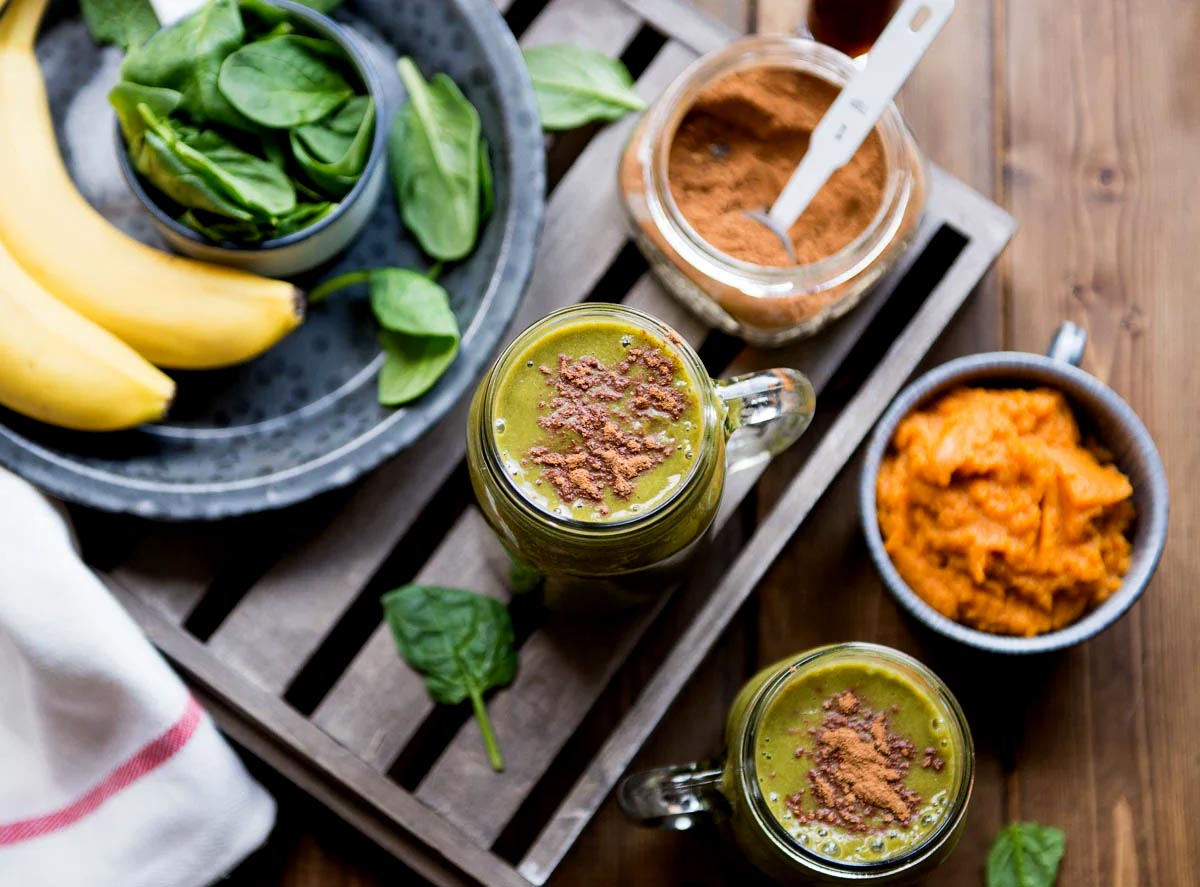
{"x":1025,"y":854}
{"x":574,"y":86}
{"x":461,"y":642}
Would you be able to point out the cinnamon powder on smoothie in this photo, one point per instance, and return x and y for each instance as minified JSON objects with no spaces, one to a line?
{"x":738,"y":145}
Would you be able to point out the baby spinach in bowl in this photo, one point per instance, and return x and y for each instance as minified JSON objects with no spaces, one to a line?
{"x":250,"y":131}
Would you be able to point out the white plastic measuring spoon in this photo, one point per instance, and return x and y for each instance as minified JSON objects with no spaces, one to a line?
{"x":855,"y":111}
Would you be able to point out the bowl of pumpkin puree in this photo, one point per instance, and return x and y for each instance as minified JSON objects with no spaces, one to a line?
{"x":1014,"y":502}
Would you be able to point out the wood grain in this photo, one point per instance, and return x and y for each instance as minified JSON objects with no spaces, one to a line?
{"x":1099,"y":165}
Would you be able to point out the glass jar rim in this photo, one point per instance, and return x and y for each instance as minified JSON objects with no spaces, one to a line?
{"x":662,"y":121}
{"x":942,"y":698}
{"x":693,"y":366}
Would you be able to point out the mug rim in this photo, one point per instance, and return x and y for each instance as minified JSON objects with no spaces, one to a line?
{"x":1017,"y":366}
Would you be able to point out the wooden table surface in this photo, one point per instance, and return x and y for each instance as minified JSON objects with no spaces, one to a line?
{"x":1081,"y":117}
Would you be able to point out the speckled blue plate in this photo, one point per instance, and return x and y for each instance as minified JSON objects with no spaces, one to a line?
{"x":302,"y":418}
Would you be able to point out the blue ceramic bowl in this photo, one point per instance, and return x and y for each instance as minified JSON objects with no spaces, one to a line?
{"x":309,"y":247}
{"x":1099,"y":408}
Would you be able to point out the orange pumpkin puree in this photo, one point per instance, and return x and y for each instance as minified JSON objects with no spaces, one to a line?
{"x":997,"y":516}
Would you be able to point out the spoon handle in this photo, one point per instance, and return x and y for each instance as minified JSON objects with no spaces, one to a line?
{"x":861,"y":102}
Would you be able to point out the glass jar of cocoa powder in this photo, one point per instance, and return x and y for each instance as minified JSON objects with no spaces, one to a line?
{"x":724,"y":138}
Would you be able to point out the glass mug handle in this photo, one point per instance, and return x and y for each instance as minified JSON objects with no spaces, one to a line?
{"x":675,"y":798}
{"x":768,"y":411}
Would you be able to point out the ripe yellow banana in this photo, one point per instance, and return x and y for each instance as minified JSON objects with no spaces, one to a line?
{"x":175,"y":312}
{"x":59,"y":367}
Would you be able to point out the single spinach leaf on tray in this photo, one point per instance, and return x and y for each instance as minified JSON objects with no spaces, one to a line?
{"x":434,"y":154}
{"x":461,"y":642}
{"x":574,"y":86}
{"x":187,"y":57}
{"x":125,"y":23}
{"x":283,"y":82}
{"x":1025,"y":854}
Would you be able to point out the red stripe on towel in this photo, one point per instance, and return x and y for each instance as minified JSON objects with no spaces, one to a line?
{"x":154,"y":753}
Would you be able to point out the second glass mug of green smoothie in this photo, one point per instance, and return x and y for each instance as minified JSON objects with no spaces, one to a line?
{"x":804,"y":738}
{"x":616,"y":552}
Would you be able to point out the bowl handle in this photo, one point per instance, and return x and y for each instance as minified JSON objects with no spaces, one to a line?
{"x":1068,"y":343}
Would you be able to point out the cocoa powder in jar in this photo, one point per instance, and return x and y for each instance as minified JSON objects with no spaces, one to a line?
{"x":736,"y":148}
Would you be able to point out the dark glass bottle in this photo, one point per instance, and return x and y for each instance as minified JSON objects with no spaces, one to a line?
{"x":852,"y":26}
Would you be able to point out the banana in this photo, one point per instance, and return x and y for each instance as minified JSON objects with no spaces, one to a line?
{"x":59,"y":367}
{"x":175,"y":312}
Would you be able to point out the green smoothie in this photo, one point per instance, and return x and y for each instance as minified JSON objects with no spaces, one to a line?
{"x":598,"y":420}
{"x":856,"y":762}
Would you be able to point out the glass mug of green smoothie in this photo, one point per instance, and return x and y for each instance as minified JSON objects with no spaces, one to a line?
{"x":598,"y":448}
{"x":850,"y":763}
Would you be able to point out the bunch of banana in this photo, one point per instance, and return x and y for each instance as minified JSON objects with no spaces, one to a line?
{"x":59,"y":256}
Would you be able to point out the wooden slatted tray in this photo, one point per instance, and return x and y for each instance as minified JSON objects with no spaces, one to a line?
{"x":275,"y":618}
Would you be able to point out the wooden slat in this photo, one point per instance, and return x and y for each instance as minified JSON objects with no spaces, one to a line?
{"x":565,"y":666}
{"x":739,"y":581}
{"x":603,"y":25}
{"x":278,"y":624}
{"x":170,"y":568}
{"x":683,"y":22}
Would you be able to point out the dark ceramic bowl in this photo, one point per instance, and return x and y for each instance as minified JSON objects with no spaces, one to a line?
{"x":302,"y":418}
{"x":1099,"y":408}
{"x":309,"y":247}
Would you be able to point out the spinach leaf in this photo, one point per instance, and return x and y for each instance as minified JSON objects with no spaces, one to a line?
{"x":325,"y":6}
{"x":157,"y":161}
{"x":260,"y":17}
{"x":434,"y":152}
{"x":223,"y":231}
{"x":487,"y":188}
{"x":523,"y":578}
{"x":304,"y":215}
{"x":461,"y":642}
{"x":126,"y":23}
{"x":187,"y":57}
{"x":125,"y":98}
{"x":282,"y":82}
{"x":1025,"y":854}
{"x":331,"y":137}
{"x":338,"y":177}
{"x":257,"y":184}
{"x":420,"y":335}
{"x":574,"y":86}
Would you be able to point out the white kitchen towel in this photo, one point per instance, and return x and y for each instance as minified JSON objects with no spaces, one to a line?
{"x":111,"y":775}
